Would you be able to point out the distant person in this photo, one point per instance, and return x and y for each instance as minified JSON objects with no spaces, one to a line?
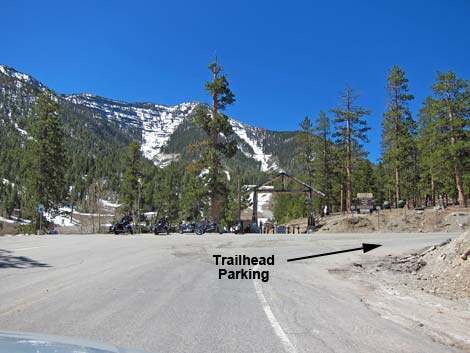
{"x":325,"y":210}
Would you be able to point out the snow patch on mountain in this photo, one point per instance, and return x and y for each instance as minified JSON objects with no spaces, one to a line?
{"x":21,"y":77}
{"x":156,"y":133}
{"x":242,"y":130}
{"x":157,"y":122}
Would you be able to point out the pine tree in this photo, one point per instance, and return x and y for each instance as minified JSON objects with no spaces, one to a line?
{"x":193,"y":197}
{"x":220,"y":143}
{"x":169,"y":191}
{"x":398,"y":129}
{"x":131,"y":180}
{"x":45,"y":161}
{"x":238,"y":199}
{"x":324,"y":156}
{"x":444,"y":130}
{"x":305,"y":151}
{"x":350,"y":132}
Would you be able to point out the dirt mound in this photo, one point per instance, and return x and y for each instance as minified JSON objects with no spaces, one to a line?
{"x":399,"y":220}
{"x":356,"y":223}
{"x":441,"y":269}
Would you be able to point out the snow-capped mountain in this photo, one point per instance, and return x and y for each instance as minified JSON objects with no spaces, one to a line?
{"x":155,"y":121}
{"x":21,"y":78}
{"x":159,"y":122}
{"x":251,"y":136}
{"x":156,"y":126}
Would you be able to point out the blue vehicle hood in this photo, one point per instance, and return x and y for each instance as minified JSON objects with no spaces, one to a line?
{"x":14,"y":342}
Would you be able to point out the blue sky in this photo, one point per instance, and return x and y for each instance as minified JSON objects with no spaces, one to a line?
{"x":284,"y":60}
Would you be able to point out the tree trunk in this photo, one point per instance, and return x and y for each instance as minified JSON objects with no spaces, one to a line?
{"x":397,"y":138}
{"x":349,"y":166}
{"x":459,"y":182}
{"x":433,"y":191}
{"x":457,"y":165}
{"x":325,"y":168}
{"x":397,"y":185}
{"x":215,"y":208}
{"x":341,"y":197}
{"x":215,"y":198}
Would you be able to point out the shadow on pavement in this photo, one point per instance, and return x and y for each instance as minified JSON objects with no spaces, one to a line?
{"x":8,"y":260}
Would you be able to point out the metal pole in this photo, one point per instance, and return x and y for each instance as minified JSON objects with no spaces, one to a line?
{"x":239,"y":211}
{"x":138,"y":207}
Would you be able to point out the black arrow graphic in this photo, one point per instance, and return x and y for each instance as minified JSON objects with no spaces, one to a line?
{"x":365,"y":247}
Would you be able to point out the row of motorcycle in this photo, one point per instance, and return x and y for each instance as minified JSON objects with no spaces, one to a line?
{"x":163,"y":226}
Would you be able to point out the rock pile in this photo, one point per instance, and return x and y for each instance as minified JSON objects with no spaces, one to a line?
{"x":441,"y":269}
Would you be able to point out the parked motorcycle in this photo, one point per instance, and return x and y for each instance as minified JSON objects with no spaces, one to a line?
{"x":187,"y":227}
{"x":162,"y":226}
{"x":204,"y":227}
{"x":238,"y":229}
{"x":125,"y":226}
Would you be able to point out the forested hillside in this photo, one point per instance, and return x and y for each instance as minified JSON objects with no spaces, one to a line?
{"x":425,"y":158}
{"x":97,"y":133}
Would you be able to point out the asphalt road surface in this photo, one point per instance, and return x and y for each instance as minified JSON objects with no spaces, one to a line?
{"x":163,"y":294}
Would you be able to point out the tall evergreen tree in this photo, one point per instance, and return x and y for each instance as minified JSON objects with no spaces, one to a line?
{"x":398,"y":129}
{"x":238,"y":199}
{"x":131,"y":180}
{"x":444,"y":128}
{"x":305,"y":151}
{"x":324,"y":156}
{"x":45,"y":160}
{"x":220,"y":142}
{"x":169,"y":190}
{"x":350,"y":133}
{"x":193,"y":197}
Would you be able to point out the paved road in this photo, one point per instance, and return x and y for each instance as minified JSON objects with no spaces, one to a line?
{"x":162,"y":293}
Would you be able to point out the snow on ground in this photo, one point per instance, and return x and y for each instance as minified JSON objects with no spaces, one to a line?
{"x":6,"y":220}
{"x":67,"y":209}
{"x":7,"y":182}
{"x":22,"y":131}
{"x":164,"y":159}
{"x":61,"y":220}
{"x":107,"y":203}
{"x":265,"y":211}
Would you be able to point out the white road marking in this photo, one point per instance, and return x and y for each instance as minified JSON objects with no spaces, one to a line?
{"x":288,"y":346}
{"x":33,"y":247}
